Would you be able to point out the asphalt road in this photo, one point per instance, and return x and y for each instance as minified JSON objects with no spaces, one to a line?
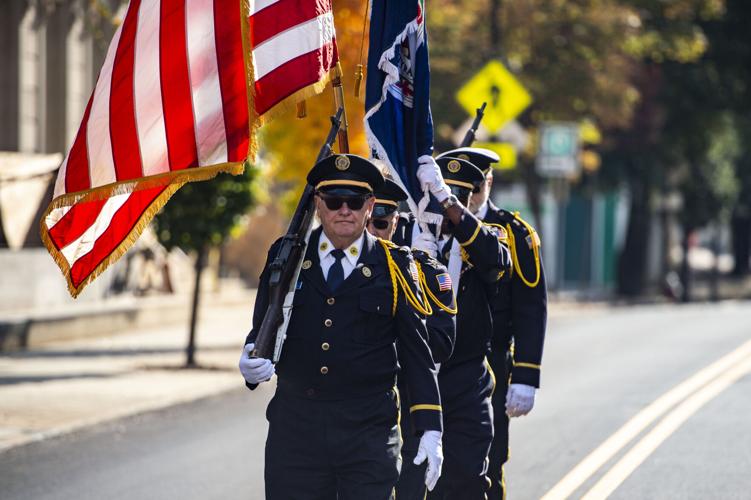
{"x":601,"y":368}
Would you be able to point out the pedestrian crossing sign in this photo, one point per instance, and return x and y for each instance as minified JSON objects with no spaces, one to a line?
{"x":496,"y":85}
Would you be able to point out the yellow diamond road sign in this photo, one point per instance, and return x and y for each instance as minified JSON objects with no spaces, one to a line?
{"x":505,"y":95}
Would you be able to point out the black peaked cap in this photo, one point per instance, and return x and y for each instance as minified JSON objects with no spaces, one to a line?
{"x":479,"y":157}
{"x":345,"y":174}
{"x":388,"y":197}
{"x":459,"y":172}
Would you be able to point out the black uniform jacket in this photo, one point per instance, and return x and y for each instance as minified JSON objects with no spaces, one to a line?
{"x":520,"y":310}
{"x":487,"y":259}
{"x":341,"y":345}
{"x":441,"y":325}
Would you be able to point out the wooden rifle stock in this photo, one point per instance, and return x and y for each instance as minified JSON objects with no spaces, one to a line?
{"x":283,"y":269}
{"x":469,"y":137}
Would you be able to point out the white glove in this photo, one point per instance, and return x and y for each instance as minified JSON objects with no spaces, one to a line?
{"x":520,"y":399}
{"x":426,"y":242}
{"x":432,"y":450}
{"x":255,"y":370}
{"x":429,"y":175}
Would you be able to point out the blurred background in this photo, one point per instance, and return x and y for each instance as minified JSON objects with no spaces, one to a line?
{"x":624,"y":128}
{"x":652,"y":96}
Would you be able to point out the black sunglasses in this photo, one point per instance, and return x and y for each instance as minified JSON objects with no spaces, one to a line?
{"x":336,"y":202}
{"x":380,"y":223}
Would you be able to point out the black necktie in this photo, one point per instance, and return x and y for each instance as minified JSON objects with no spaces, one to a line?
{"x":336,"y":271}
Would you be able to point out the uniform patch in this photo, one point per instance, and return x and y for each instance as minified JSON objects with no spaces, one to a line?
{"x":306,"y":264}
{"x":444,"y":282}
{"x":366,"y":271}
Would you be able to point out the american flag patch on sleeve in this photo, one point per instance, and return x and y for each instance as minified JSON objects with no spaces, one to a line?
{"x":444,"y":282}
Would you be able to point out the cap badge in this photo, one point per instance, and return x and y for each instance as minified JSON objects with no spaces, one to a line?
{"x":366,"y":271}
{"x":454,"y":166}
{"x":342,"y":162}
{"x":463,"y":157}
{"x":306,"y":264}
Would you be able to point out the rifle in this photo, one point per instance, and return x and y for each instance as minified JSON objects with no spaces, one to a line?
{"x":469,"y":137}
{"x":285,"y":268}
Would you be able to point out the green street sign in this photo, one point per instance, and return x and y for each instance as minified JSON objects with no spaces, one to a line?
{"x":558,"y":154}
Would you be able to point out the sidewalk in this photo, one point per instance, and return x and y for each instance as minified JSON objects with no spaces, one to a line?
{"x":65,"y":385}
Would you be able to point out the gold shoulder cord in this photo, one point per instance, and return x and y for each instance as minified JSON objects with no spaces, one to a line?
{"x":428,"y":293}
{"x":398,"y":277}
{"x":501,"y":239}
{"x":515,"y":257}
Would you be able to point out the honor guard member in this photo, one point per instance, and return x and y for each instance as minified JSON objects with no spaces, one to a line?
{"x":333,"y":421}
{"x":435,"y":284}
{"x":520,"y":315}
{"x":476,"y":259}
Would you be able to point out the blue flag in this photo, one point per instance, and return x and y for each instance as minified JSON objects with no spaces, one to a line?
{"x":398,"y":122}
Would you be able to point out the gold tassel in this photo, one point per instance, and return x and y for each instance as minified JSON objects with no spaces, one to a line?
{"x":302,"y":110}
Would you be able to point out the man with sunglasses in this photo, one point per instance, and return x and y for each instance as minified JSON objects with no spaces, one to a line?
{"x":476,"y":258}
{"x":440,"y":325}
{"x":519,"y":316}
{"x":333,"y":421}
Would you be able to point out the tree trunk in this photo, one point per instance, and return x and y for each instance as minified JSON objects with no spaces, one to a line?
{"x":534,"y":197}
{"x":632,"y":262}
{"x":191,"y":348}
{"x":741,"y":229}
{"x":495,"y":28}
{"x":685,"y":267}
{"x":714,"y":273}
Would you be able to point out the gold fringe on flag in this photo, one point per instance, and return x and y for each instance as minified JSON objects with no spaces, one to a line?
{"x":176,"y":181}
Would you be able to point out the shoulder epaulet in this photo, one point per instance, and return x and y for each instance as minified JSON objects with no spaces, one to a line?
{"x":500,"y":232}
{"x":425,"y":259}
{"x":519,"y":228}
{"x":531,"y":237}
{"x":396,"y":249}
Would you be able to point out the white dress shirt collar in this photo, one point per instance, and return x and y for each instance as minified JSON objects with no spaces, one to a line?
{"x":352,"y":254}
{"x":482,"y":211}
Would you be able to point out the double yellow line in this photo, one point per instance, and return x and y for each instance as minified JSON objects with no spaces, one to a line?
{"x":685,"y":399}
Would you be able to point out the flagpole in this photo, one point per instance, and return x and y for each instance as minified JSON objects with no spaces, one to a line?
{"x":336,"y":84}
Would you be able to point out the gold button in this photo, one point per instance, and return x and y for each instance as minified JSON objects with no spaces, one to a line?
{"x":324,"y":370}
{"x":330,"y":301}
{"x":325,"y":346}
{"x":328,"y":322}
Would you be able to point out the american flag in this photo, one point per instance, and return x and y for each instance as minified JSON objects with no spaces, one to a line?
{"x":444,"y":282}
{"x":176,"y":101}
{"x":294,"y":51}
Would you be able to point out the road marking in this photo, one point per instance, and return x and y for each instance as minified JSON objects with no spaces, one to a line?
{"x":663,"y":430}
{"x":596,"y":459}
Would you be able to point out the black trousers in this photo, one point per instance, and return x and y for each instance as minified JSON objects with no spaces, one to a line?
{"x":332,"y":450}
{"x":411,"y":484}
{"x":466,"y":391}
{"x":499,"y":451}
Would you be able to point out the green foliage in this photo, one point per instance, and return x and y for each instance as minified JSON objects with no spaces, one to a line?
{"x":204,"y":213}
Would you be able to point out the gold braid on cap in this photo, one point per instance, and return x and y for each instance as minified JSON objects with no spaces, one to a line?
{"x":344,"y":182}
{"x":467,"y":185}
{"x":386,"y":202}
